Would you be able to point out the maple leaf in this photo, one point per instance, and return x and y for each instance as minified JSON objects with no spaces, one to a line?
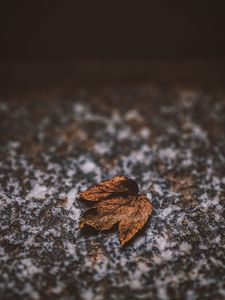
{"x":116,"y":201}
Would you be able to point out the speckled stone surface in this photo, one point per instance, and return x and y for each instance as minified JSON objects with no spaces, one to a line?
{"x":50,"y":149}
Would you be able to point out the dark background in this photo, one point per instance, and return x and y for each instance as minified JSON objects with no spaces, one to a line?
{"x":64,"y":30}
{"x":52,"y":42}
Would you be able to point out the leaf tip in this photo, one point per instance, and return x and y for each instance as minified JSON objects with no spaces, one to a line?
{"x":122,"y":241}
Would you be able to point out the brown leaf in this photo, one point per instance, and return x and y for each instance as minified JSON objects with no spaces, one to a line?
{"x":117,"y":185}
{"x":116,"y":202}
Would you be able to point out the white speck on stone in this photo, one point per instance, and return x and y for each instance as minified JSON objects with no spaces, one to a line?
{"x":143,"y":267}
{"x":58,"y":288}
{"x":75,"y":214}
{"x":71,"y":196}
{"x":169,"y":210}
{"x":161,"y":289}
{"x":37,"y":192}
{"x":70,"y":248}
{"x":79,"y":108}
{"x":124,"y":133}
{"x":158,"y":189}
{"x":185,"y":247}
{"x":87,"y":167}
{"x":167,"y":255}
{"x":3,"y":106}
{"x":149,"y":196}
{"x":168,"y":153}
{"x":144,"y":132}
{"x":186,"y":163}
{"x":88,"y":294}
{"x":101,"y":148}
{"x":133,"y":115}
{"x":162,"y":243}
{"x":207,"y":202}
{"x":199,"y":132}
{"x":217,"y":239}
{"x":29,"y":290}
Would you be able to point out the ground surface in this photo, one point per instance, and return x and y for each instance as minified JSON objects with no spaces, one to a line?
{"x":50,"y":149}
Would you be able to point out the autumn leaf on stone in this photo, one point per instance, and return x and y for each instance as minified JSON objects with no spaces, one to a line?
{"x":116,"y":201}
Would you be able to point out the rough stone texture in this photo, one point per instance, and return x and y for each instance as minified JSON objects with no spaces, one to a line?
{"x":51,"y":149}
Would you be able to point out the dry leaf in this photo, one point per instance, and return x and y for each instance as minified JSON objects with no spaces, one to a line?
{"x":117,"y":201}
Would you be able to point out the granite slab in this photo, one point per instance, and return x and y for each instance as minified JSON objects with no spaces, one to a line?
{"x":172,"y":141}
